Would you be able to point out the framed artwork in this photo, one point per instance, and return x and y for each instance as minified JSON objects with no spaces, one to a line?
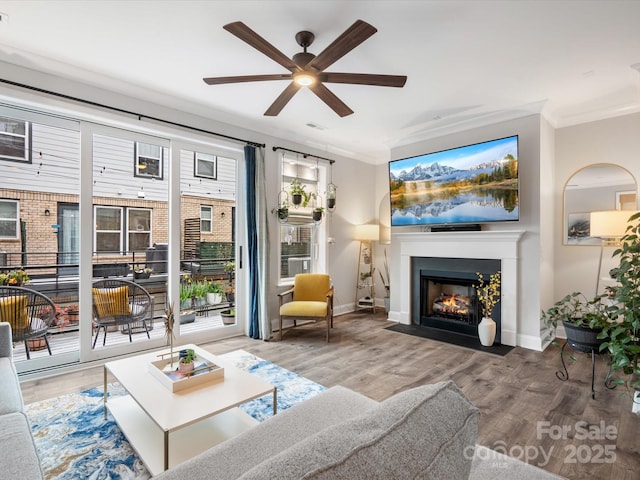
{"x":578,"y":228}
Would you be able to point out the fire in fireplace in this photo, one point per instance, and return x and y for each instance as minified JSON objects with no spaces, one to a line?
{"x":452,"y":306}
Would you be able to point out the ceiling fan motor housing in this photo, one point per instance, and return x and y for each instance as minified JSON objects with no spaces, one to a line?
{"x":303,"y":58}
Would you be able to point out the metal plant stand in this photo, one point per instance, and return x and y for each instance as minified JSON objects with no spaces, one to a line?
{"x":564,"y":373}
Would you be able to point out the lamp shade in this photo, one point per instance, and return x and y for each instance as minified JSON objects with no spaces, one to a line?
{"x":609,"y":223}
{"x":367,"y":232}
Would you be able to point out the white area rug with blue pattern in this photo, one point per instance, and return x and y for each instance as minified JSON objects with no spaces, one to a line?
{"x":74,"y":441}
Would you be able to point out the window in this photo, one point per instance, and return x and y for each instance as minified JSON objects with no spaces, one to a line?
{"x":302,"y":241}
{"x":9,"y":219}
{"x":204,"y":165}
{"x":206,"y":219}
{"x":139,"y":229}
{"x":148,"y":160}
{"x":14,"y":140}
{"x":110,"y":226}
{"x":108,"y":229}
{"x":295,"y":250}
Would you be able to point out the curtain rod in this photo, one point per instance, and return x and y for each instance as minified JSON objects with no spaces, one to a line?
{"x":128,"y":112}
{"x":305,"y":154}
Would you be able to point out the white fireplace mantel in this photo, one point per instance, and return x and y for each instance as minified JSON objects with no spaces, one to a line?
{"x":500,"y":245}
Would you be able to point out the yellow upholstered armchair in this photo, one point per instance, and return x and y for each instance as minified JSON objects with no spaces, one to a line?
{"x":30,"y":314}
{"x":120,"y":303}
{"x":311,"y":299}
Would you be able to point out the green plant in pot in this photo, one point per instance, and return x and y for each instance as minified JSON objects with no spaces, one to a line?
{"x":317,"y":214}
{"x":623,"y":333}
{"x":282,"y":213}
{"x":299,"y":197}
{"x":583,"y":320}
{"x":187,"y":357}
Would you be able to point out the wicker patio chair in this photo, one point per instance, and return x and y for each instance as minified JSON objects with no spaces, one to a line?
{"x":120,"y":303}
{"x":30,"y":314}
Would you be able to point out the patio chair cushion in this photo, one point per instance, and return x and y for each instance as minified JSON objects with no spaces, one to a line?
{"x":14,"y":311}
{"x":111,"y":302}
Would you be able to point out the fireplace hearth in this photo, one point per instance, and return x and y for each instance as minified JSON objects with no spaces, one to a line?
{"x":444,"y":294}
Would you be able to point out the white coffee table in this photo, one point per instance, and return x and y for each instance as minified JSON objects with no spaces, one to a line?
{"x":168,"y":428}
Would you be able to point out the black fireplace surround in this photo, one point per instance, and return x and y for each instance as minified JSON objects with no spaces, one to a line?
{"x":437,"y":278}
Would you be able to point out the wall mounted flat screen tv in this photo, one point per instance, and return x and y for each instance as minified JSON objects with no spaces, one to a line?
{"x":471,"y":184}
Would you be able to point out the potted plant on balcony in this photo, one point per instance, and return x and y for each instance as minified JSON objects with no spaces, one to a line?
{"x":200,"y":290}
{"x":14,"y":278}
{"x":72,"y":314}
{"x":186,"y":295}
{"x":142,"y":273}
{"x":214,"y":293}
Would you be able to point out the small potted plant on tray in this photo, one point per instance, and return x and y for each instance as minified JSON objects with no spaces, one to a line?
{"x":187,"y":358}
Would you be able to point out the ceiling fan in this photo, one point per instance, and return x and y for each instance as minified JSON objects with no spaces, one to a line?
{"x":307,"y":69}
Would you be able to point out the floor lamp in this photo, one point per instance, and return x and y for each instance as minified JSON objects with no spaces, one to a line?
{"x":610,"y":226}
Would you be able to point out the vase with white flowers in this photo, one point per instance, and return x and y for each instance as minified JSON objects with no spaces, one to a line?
{"x":488,"y":294}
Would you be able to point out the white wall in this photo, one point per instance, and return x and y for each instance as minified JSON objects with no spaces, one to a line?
{"x":615,"y":141}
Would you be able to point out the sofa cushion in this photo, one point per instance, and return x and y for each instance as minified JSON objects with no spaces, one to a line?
{"x":10,"y":393}
{"x":419,"y":433}
{"x":19,"y":455}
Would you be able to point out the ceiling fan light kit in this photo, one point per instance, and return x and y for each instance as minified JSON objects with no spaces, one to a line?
{"x":307,"y":69}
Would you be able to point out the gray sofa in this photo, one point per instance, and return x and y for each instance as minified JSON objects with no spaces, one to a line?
{"x":19,"y":458}
{"x":425,"y":432}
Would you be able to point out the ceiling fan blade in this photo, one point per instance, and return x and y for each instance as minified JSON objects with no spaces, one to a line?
{"x":246,"y":78}
{"x":280,"y":102}
{"x":247,"y":35}
{"x":350,"y":39}
{"x":328,"y":97}
{"x":364,"y":79}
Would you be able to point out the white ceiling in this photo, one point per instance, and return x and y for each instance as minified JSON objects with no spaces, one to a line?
{"x":467,"y":62}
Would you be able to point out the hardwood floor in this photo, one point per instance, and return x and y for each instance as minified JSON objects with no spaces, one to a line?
{"x":524,"y":407}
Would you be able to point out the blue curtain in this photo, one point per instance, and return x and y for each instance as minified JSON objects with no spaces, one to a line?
{"x":257,"y":244}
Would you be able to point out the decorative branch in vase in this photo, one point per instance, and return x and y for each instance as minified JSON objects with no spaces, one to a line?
{"x":488,"y":294}
{"x":169,"y":321}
